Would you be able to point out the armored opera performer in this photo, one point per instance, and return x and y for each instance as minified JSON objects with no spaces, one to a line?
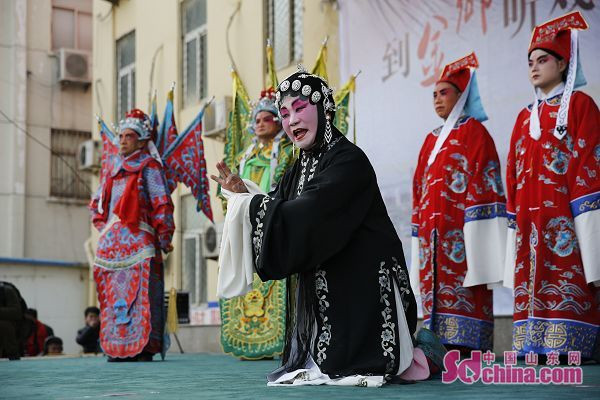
{"x":553,"y":191}
{"x":459,"y":215}
{"x":133,"y":212}
{"x":253,"y":325}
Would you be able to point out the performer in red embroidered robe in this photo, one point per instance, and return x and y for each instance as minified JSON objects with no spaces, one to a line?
{"x":553,"y":190}
{"x":134,"y":213}
{"x":459,"y":215}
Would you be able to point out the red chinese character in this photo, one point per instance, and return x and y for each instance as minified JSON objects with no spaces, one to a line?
{"x":467,"y":7}
{"x":489,"y":357}
{"x":429,"y":51}
{"x":552,"y":358}
{"x":574,"y":358}
{"x":510,"y":358}
{"x":485,"y":4}
{"x":531,"y":358}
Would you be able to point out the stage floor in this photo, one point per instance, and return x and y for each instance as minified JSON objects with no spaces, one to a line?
{"x":212,"y":376}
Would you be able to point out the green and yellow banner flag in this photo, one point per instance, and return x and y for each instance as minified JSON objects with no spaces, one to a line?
{"x":320,"y":67}
{"x":237,"y":135}
{"x":342,"y":101}
{"x":272,"y":75}
{"x":342,"y":96}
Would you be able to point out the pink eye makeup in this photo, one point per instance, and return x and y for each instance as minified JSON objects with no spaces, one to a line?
{"x":299,"y":105}
{"x":266,"y":120}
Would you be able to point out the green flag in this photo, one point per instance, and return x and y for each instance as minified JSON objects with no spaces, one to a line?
{"x":342,"y":102}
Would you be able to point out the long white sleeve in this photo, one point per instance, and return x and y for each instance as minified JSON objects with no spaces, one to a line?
{"x":236,"y":271}
{"x":414,"y":266}
{"x":586,"y":212}
{"x":511,"y":253}
{"x":485,"y":246}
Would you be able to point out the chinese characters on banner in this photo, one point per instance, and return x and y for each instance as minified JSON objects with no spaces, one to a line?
{"x":429,"y":54}
{"x":396,"y":58}
{"x":465,"y":12}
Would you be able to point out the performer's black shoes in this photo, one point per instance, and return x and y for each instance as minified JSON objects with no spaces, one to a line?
{"x":143,"y":356}
{"x":117,"y":359}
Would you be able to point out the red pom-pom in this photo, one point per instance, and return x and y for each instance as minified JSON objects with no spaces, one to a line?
{"x":268,"y":93}
{"x":135,"y":113}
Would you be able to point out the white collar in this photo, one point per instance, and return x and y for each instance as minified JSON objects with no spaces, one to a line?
{"x":437,"y":130}
{"x":556,"y":90}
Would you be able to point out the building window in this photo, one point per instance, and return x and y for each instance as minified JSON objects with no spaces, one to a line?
{"x":194,"y":279}
{"x":194,"y":269}
{"x":284,"y":29}
{"x":193,"y":22}
{"x":71,"y":25}
{"x":125,"y":74}
{"x":65,"y":182}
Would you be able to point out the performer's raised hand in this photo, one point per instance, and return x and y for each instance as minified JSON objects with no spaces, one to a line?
{"x":228,"y":180}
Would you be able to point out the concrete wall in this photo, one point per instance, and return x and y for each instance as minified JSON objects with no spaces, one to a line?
{"x":35,"y":225}
{"x":13,"y":86}
{"x":197,"y":339}
{"x":54,"y":229}
{"x":57,"y":293}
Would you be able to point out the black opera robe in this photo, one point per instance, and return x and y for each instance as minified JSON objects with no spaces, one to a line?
{"x":327,"y":219}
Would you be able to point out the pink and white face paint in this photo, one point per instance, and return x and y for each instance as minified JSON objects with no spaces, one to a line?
{"x":545,"y":70}
{"x":300,"y":120}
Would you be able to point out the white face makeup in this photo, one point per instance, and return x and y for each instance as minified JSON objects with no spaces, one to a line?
{"x":545,"y":70}
{"x":300,"y":120}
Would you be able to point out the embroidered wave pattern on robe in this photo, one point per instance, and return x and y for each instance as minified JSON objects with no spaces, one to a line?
{"x":553,"y":196}
{"x":458,"y":201}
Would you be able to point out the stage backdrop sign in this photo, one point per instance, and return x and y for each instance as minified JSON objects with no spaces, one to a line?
{"x":401,"y":46}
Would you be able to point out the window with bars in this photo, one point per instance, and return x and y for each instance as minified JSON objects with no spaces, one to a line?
{"x":193,"y":23}
{"x":194,"y":278}
{"x":284,"y":29}
{"x":125,"y":74}
{"x":65,"y":182}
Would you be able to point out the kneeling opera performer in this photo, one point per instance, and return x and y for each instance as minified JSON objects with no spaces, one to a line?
{"x":353,"y":315}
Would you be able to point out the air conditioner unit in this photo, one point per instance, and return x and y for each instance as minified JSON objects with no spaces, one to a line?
{"x":216,"y":117}
{"x":75,"y":66}
{"x":211,"y":240}
{"x":88,"y":155}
